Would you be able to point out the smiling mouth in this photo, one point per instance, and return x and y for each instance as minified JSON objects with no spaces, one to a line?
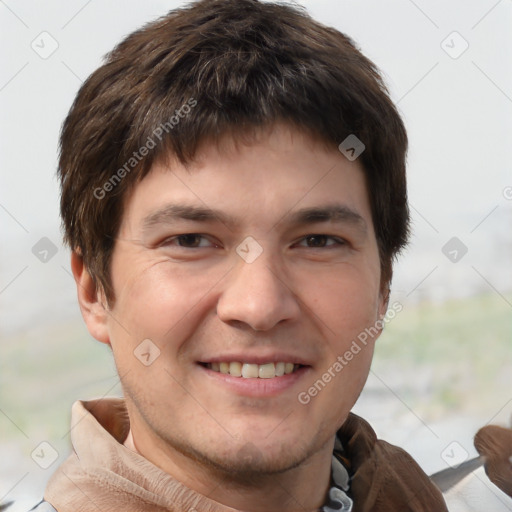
{"x":253,"y":371}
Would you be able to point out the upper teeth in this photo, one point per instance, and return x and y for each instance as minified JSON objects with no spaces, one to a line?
{"x":249,"y":370}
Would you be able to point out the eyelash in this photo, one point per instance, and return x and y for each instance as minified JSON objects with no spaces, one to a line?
{"x":168,"y":241}
{"x":338,"y":241}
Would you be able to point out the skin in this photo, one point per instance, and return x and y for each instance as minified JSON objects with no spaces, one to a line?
{"x":195,"y":298}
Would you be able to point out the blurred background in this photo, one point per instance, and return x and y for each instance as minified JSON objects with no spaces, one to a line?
{"x":443,"y":367}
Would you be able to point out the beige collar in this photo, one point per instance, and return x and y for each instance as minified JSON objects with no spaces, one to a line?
{"x":103,"y":474}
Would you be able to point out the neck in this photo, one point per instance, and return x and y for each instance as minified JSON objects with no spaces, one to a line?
{"x":303,"y":487}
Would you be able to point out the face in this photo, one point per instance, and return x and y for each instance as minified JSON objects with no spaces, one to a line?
{"x":258,"y":259}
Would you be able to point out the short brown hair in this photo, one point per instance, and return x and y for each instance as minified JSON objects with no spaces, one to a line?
{"x":213,"y":68}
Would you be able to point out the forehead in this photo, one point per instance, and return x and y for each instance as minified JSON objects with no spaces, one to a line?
{"x":275,"y":172}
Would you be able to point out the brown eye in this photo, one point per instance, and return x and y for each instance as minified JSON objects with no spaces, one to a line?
{"x":189,"y":240}
{"x":321,"y":241}
{"x":316,"y":240}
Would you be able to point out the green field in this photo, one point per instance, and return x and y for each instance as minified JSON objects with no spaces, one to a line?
{"x":465,"y":346}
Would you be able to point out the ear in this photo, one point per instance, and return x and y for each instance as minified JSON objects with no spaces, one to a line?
{"x":383,"y":301}
{"x":382,"y":308}
{"x":92,"y":301}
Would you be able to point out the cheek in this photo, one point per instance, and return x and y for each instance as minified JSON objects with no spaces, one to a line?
{"x":347,"y":309}
{"x":345,"y":302}
{"x":157,"y":309}
{"x":162,"y":302}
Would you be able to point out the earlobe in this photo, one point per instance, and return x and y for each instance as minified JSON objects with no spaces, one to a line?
{"x":91,"y":300}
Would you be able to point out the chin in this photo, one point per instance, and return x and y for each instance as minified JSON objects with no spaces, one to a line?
{"x":245,"y":460}
{"x":249,"y":462}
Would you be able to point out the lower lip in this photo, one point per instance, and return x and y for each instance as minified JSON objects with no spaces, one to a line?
{"x":257,"y":387}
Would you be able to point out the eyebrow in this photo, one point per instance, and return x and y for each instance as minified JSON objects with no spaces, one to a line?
{"x":174,"y":212}
{"x":330,"y":213}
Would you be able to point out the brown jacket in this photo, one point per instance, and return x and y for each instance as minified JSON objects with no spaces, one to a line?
{"x":102,"y":474}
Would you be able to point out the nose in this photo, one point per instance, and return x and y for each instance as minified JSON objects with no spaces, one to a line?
{"x":255,"y":294}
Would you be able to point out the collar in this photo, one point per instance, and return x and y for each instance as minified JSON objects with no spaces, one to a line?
{"x":367,"y":474}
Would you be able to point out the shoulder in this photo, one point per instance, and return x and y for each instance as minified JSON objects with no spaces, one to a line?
{"x":382,"y":473}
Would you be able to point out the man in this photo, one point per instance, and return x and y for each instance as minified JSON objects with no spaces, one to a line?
{"x":234,"y":193}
